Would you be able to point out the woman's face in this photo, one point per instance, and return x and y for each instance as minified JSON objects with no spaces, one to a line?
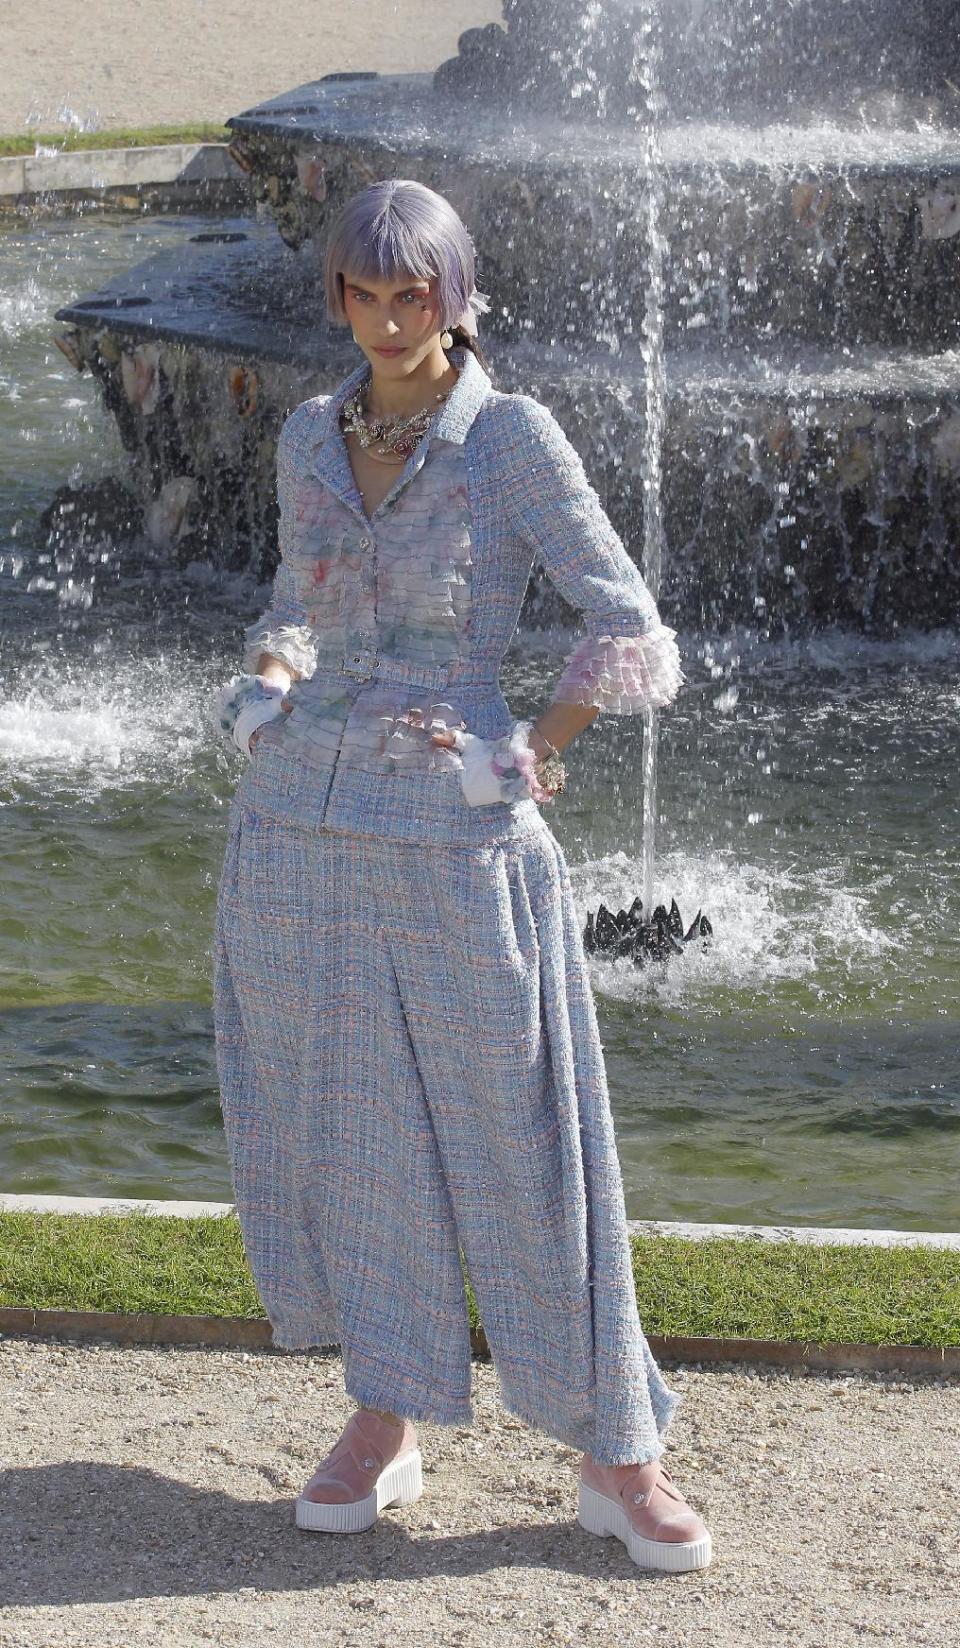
{"x":396,"y":322}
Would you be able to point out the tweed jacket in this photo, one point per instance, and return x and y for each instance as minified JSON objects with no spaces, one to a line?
{"x":396,"y":624}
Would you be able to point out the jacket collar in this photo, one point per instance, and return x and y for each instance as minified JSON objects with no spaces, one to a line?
{"x":331,"y":462}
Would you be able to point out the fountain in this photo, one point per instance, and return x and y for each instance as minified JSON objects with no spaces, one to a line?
{"x":723,"y":246}
{"x":808,"y":296}
{"x":722,"y":56}
{"x":800,"y":339}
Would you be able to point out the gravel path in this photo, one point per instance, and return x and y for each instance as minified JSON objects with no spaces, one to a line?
{"x":153,"y":61}
{"x":148,"y":1500}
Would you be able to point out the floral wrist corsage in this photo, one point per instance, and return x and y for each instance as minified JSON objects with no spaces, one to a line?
{"x":505,"y":768}
{"x":246,"y":703}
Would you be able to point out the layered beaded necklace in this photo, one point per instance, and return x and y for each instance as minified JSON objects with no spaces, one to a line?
{"x":393,"y":438}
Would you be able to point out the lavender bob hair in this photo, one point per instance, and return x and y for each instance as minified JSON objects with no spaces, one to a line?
{"x":400,"y":227}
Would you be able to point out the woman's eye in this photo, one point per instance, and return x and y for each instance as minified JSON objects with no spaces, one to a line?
{"x":405,"y":297}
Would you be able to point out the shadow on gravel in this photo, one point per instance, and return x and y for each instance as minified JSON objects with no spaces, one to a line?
{"x":102,"y":1533}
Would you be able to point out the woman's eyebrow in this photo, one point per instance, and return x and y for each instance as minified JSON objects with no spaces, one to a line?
{"x":356,"y":287}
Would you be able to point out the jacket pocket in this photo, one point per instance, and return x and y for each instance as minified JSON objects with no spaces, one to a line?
{"x":279,"y":784}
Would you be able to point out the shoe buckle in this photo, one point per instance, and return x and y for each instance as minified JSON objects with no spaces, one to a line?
{"x":369,"y":1464}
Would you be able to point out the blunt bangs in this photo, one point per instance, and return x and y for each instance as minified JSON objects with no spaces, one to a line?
{"x":394,"y":228}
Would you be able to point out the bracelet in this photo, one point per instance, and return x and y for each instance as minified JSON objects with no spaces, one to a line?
{"x":515,"y":764}
{"x":549,"y":768}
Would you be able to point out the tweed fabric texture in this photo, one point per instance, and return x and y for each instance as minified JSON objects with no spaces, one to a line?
{"x":410,"y":1065}
{"x":434,"y":582}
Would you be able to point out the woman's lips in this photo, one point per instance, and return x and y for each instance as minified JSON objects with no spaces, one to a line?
{"x":384,"y":349}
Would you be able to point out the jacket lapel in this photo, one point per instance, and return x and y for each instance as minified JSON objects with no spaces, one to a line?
{"x":331,"y":461}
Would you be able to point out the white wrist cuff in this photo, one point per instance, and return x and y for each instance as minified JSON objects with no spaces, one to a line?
{"x":480,"y":784}
{"x":254,"y":715}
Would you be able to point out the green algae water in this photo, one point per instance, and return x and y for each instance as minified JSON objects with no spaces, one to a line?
{"x":802,"y":1067}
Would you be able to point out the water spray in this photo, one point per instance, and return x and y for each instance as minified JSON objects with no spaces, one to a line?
{"x":626,"y":933}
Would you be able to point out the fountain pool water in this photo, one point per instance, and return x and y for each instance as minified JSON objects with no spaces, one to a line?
{"x":802,"y":1070}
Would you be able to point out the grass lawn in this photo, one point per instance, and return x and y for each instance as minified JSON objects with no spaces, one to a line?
{"x":726,"y":1288}
{"x":124,"y":137}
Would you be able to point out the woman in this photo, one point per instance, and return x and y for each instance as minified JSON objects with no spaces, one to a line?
{"x":407,"y":1043}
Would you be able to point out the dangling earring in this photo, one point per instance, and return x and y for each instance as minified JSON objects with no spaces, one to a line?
{"x":446,"y":340}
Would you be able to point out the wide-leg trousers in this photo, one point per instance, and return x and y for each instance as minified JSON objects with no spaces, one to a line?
{"x":410,"y":1069}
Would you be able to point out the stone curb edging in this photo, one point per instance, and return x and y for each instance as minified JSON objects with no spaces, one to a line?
{"x":93,"y":1205}
{"x":255,"y":1333}
{"x":93,"y":171}
{"x":821,"y":1235}
{"x":851,"y":1237}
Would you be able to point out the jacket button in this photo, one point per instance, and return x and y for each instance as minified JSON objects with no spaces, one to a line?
{"x":366,"y":543}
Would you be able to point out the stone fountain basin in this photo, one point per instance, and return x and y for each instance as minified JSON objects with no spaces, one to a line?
{"x":801,"y":485}
{"x":830,"y":229}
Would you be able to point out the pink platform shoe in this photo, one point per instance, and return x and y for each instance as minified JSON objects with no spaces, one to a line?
{"x":374,"y":1464}
{"x":642,"y":1506}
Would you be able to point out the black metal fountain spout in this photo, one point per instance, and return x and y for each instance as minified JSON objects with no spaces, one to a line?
{"x":626,"y":936}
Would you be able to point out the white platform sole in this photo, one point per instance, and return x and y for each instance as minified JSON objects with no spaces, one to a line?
{"x":599,"y":1514}
{"x":400,"y":1483}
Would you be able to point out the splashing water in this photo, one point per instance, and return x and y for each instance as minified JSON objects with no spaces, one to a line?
{"x":646,"y":65}
{"x":643,"y":79}
{"x":82,"y":727}
{"x":767,"y":933}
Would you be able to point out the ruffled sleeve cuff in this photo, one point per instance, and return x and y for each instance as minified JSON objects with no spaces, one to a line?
{"x":294,"y":644}
{"x":623,"y":674}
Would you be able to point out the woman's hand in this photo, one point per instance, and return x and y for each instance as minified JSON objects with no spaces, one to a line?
{"x":499,"y":769}
{"x":558,"y":725}
{"x":447,"y":740}
{"x":285,"y":707}
{"x":275,"y":670}
{"x":504,"y":769}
